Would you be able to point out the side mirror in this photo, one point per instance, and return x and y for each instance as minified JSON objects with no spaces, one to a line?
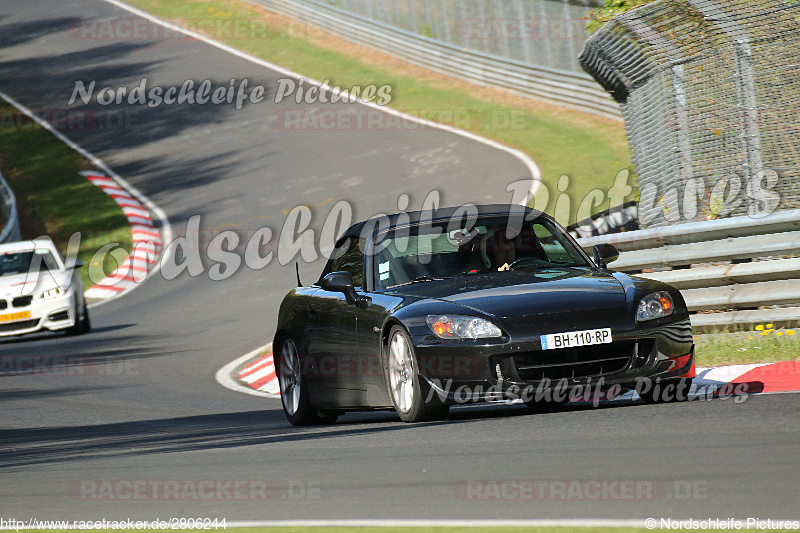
{"x":604,"y":254}
{"x":340,"y":282}
{"x":73,"y":264}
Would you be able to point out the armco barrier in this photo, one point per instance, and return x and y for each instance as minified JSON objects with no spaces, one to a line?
{"x":10,"y":217}
{"x":705,"y":262}
{"x":579,"y":91}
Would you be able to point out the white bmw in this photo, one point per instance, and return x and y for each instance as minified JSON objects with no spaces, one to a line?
{"x":38,"y":290}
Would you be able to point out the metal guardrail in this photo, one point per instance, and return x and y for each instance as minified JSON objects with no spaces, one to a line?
{"x":10,"y":216}
{"x":550,"y":85}
{"x":737,"y":289}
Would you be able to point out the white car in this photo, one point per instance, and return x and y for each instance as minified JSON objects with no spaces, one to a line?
{"x":38,"y":290}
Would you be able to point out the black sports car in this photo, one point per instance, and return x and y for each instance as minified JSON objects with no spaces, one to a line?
{"x":420,"y":311}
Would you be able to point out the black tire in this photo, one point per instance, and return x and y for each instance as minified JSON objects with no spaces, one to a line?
{"x":666,"y":391}
{"x":83,"y":324}
{"x":294,"y":395}
{"x":411,"y":395}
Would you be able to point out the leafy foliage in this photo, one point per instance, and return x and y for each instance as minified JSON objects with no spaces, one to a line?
{"x":595,"y":19}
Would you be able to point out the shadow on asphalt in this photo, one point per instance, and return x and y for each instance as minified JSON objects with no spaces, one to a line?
{"x":51,"y":335}
{"x":31,"y":446}
{"x":21,"y":447}
{"x":62,"y":358}
{"x":117,"y":63}
{"x":39,"y":394}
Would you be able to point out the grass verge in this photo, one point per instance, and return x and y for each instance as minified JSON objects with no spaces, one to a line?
{"x":52,"y":197}
{"x":589,"y":149}
{"x":423,"y":530}
{"x":765,"y":344}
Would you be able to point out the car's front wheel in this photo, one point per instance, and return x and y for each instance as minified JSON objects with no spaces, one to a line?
{"x":411,"y":396}
{"x":294,"y":393}
{"x":83,"y":323}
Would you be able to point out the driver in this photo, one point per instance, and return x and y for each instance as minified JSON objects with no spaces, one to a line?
{"x":501,"y":251}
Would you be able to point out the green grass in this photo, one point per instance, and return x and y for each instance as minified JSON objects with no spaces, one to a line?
{"x":767,"y":345}
{"x":590,"y":150}
{"x":52,"y":197}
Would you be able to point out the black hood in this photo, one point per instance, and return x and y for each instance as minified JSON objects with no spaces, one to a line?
{"x":525,"y":292}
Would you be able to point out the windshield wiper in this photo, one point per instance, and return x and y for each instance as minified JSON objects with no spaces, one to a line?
{"x":549,"y":264}
{"x":418,"y":279}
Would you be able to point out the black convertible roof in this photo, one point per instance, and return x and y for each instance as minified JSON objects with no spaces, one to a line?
{"x":444,"y":213}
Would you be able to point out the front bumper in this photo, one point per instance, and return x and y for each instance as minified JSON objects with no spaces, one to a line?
{"x":504,"y":369}
{"x":54,"y":315}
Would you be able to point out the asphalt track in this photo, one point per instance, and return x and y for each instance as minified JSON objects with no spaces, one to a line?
{"x":137,"y":400}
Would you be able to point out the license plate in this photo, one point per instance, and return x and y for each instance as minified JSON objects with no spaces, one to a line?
{"x":574,"y":339}
{"x":15,"y":316}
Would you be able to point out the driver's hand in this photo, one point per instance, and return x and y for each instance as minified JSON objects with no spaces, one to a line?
{"x":504,"y":268}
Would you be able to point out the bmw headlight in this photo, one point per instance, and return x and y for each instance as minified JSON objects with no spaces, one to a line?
{"x":655,"y":305}
{"x":53,"y":293}
{"x":462,"y":327}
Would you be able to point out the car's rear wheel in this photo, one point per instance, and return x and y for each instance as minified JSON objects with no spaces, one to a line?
{"x":410,"y":393}
{"x":666,"y":391}
{"x":294,"y":393}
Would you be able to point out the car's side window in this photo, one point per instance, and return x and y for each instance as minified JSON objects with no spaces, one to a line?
{"x":351,"y":259}
{"x":554,"y":249}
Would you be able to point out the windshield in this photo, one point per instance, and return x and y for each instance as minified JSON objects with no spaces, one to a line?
{"x":437,"y":251}
{"x":13,"y":263}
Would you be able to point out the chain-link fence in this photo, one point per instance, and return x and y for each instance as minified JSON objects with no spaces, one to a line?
{"x":710,"y":92}
{"x":547,"y":33}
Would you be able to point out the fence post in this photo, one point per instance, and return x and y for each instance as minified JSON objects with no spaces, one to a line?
{"x":745,"y":81}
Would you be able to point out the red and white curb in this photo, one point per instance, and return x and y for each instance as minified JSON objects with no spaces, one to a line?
{"x":259,"y":366}
{"x":113,"y":179}
{"x":254,"y":373}
{"x":759,"y":378}
{"x":147,"y":241}
{"x":260,"y":375}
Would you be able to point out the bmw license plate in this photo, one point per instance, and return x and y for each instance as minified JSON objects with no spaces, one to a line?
{"x":15,"y":316}
{"x":573,"y":339}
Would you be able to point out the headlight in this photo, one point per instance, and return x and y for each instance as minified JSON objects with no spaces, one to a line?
{"x":655,"y":305}
{"x":462,"y":327}
{"x":53,"y":293}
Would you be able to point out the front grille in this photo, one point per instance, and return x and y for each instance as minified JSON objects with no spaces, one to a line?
{"x":22,"y":301}
{"x":3,"y":304}
{"x":575,"y":363}
{"x":16,"y":326}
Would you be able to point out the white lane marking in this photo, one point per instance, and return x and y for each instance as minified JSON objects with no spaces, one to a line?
{"x":166,"y":229}
{"x":578,"y":522}
{"x":225,"y":375}
{"x":529,"y":163}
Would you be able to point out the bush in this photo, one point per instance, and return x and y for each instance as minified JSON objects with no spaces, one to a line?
{"x":595,"y":19}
